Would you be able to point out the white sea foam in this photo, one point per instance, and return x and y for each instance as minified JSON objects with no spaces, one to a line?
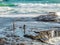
{"x":30,"y":8}
{"x":21,"y":15}
{"x":54,"y":40}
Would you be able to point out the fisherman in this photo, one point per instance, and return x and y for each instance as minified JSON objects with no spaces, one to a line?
{"x":14,"y":26}
{"x":24,"y":27}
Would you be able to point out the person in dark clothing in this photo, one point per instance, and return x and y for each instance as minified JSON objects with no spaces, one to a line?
{"x":24,"y":27}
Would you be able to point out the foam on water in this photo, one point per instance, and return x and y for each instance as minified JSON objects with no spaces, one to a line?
{"x":54,"y":40}
{"x":30,"y":8}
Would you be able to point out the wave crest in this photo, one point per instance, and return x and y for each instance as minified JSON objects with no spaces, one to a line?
{"x":30,"y":8}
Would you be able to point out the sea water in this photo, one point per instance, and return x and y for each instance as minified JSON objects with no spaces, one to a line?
{"x":32,"y":7}
{"x":7,"y":23}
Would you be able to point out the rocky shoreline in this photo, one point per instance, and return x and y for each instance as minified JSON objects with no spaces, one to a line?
{"x":50,"y":17}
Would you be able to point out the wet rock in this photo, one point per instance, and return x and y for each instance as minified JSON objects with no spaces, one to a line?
{"x":2,"y":41}
{"x":50,"y":17}
{"x":22,"y":44}
{"x":29,"y":36}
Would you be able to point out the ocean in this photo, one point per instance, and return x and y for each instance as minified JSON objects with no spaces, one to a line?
{"x":29,"y":6}
{"x":9,"y":9}
{"x":32,"y":1}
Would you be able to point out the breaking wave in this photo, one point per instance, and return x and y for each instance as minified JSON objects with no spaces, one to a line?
{"x":29,"y":8}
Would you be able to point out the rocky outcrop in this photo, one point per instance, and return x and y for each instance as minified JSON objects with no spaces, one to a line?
{"x":42,"y":36}
{"x":51,"y":16}
{"x":2,"y":41}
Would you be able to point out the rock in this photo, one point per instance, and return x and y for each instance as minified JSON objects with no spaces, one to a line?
{"x":29,"y":36}
{"x":2,"y":41}
{"x":50,"y":17}
{"x":22,"y":44}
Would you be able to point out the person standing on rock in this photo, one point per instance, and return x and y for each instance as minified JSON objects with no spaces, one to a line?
{"x":24,"y":27}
